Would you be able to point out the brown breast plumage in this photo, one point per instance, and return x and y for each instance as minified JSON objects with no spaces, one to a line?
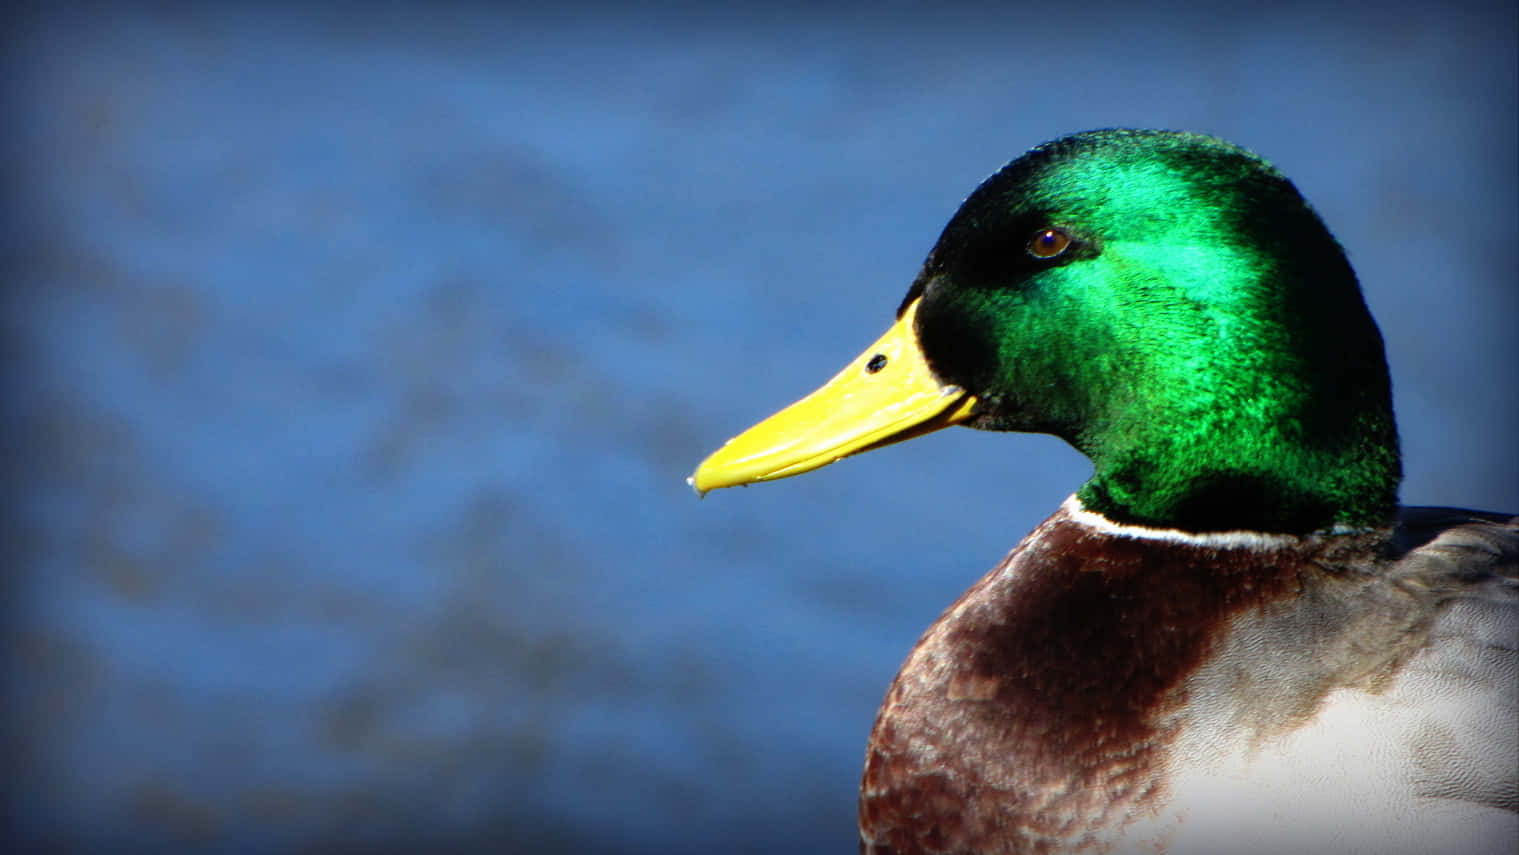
{"x":1036,"y":715}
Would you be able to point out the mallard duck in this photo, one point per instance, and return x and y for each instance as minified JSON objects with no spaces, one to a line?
{"x":1231,"y":639}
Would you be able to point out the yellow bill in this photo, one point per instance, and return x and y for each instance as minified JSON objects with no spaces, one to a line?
{"x":886,"y":395}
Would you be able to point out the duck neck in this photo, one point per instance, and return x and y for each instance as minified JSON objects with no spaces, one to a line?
{"x":1266,"y":454}
{"x":1201,"y":495}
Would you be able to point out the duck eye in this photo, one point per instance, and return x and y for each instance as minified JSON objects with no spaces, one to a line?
{"x":1048,"y":243}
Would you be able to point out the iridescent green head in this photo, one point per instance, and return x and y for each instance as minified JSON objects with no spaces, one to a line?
{"x":1171,"y":306}
{"x":1165,"y":302}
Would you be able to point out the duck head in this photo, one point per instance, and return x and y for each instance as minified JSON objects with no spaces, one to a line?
{"x":1165,"y":302}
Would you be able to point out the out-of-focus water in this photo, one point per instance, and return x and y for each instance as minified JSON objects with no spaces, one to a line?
{"x":358,"y":356}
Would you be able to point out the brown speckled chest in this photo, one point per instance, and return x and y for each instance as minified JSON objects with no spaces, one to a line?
{"x":1036,"y":715}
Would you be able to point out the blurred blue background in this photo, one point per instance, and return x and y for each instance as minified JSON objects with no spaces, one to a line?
{"x":358,"y":355}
